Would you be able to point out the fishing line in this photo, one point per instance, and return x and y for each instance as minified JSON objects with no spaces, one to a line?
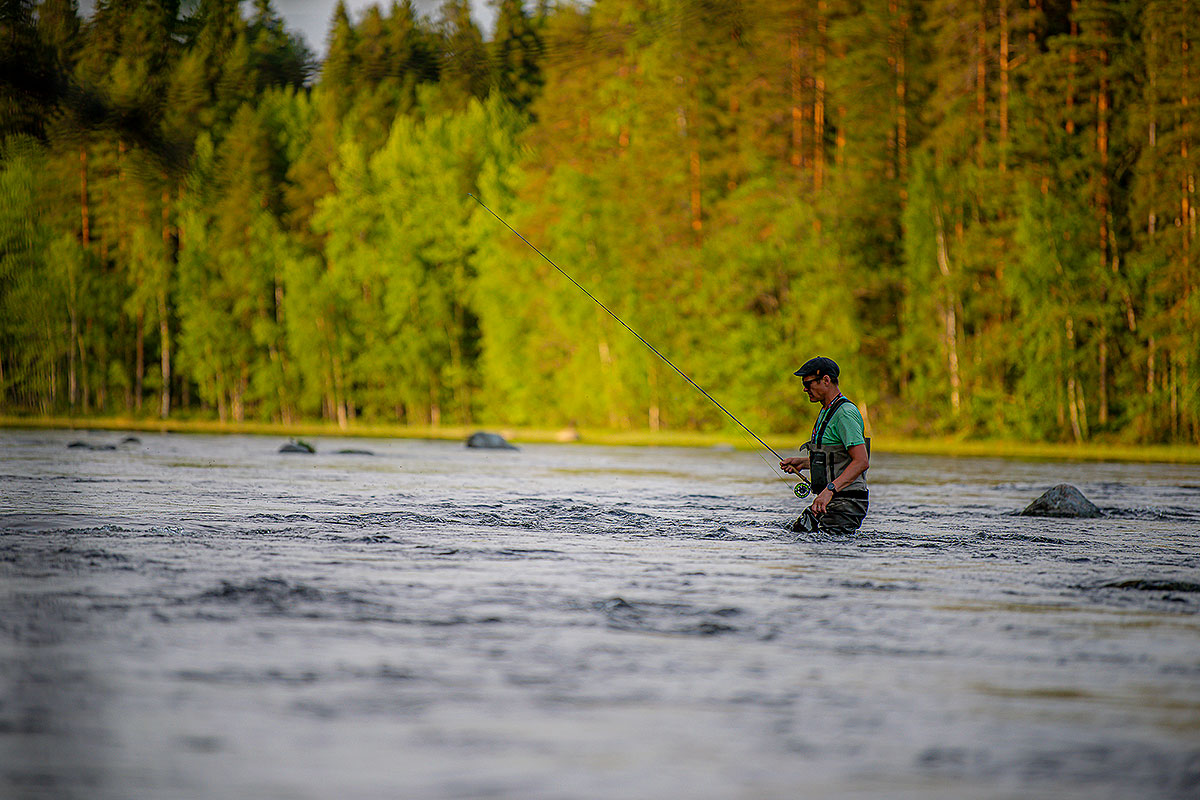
{"x":653,"y":349}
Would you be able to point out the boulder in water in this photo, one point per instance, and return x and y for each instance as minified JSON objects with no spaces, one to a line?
{"x":297,"y":446}
{"x":490,"y":441}
{"x":131,"y":440}
{"x":354,"y":451}
{"x":1063,"y":500}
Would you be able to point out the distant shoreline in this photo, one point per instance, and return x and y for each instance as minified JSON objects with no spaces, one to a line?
{"x":992,"y":448}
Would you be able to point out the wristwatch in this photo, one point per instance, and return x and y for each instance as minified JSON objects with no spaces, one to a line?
{"x":832,"y":489}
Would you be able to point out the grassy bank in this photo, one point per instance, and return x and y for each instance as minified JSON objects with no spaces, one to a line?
{"x":783,"y":443}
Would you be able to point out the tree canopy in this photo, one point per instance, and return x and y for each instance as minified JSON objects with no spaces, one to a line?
{"x":986,"y":213}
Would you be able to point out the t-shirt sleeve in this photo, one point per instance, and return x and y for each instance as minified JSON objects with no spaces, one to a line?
{"x":849,"y":424}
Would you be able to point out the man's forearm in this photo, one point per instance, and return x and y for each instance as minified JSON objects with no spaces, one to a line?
{"x":855,"y":468}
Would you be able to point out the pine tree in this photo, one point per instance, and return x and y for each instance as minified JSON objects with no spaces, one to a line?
{"x":278,"y":57}
{"x":1162,"y":216}
{"x":516,"y":50}
{"x":465,"y":70}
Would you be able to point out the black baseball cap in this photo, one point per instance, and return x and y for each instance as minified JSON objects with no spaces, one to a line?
{"x":819,"y":366}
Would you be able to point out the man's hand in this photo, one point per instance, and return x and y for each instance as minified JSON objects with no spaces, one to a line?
{"x":794,"y":465}
{"x":821,"y":502}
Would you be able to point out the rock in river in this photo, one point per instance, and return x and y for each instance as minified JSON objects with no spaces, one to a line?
{"x":1063,"y":500}
{"x":297,"y":447}
{"x":89,"y":446}
{"x":492,"y":441}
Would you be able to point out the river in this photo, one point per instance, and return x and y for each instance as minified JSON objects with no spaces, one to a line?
{"x":190,"y":616}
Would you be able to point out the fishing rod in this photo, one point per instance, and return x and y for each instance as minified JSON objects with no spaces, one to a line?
{"x":801,"y":489}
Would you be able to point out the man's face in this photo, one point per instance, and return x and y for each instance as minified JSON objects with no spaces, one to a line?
{"x":812,"y":387}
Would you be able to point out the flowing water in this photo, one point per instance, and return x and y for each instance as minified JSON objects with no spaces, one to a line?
{"x":203,"y":617}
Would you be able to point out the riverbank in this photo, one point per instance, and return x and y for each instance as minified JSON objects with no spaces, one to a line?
{"x":783,"y":443}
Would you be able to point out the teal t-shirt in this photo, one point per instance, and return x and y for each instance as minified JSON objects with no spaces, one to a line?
{"x":846,"y":427}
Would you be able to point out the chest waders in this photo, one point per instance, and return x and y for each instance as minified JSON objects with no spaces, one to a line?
{"x":826,"y":462}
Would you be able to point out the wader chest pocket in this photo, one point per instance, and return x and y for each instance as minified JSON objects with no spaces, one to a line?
{"x":819,"y":469}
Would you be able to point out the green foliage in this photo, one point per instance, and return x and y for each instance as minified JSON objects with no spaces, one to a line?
{"x":985,"y":212}
{"x":28,"y":294}
{"x":516,"y":52}
{"x":397,"y":239}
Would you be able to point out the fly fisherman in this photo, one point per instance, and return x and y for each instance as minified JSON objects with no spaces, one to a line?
{"x":837,"y":454}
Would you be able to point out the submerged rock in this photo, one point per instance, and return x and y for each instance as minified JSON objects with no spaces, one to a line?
{"x":297,"y":447}
{"x":1147,"y":585}
{"x":491,"y":441}
{"x":88,"y":446}
{"x":269,"y":591}
{"x":1063,"y":500}
{"x":352,"y":451}
{"x":131,"y":440}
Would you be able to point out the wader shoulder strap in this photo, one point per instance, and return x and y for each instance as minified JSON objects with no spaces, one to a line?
{"x":841,"y":401}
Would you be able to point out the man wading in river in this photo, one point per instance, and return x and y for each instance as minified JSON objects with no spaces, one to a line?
{"x":837,"y":454}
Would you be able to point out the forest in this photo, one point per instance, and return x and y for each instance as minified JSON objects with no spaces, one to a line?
{"x":984,"y":210}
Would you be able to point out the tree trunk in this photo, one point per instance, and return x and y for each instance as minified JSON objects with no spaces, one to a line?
{"x":238,"y":400}
{"x":1174,"y":395}
{"x":164,"y":332}
{"x":461,"y":389}
{"x":694,"y":164}
{"x":85,"y":221}
{"x":623,"y":131}
{"x":164,"y":335}
{"x":949,"y":317}
{"x":1075,"y":401}
{"x":819,"y":103}
{"x":83,"y":372}
{"x":122,"y":212}
{"x":654,"y":414}
{"x":1187,"y":214}
{"x":139,"y":375}
{"x":797,"y":147}
{"x":339,"y":392}
{"x":73,"y":313}
{"x":1072,"y":60}
{"x":285,"y":399}
{"x":902,"y":101}
{"x":1004,"y":68}
{"x":1103,"y":411}
{"x":1102,"y":199}
{"x":1189,"y":267}
{"x":1073,"y":409}
{"x":981,"y":83}
{"x":222,"y":398}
